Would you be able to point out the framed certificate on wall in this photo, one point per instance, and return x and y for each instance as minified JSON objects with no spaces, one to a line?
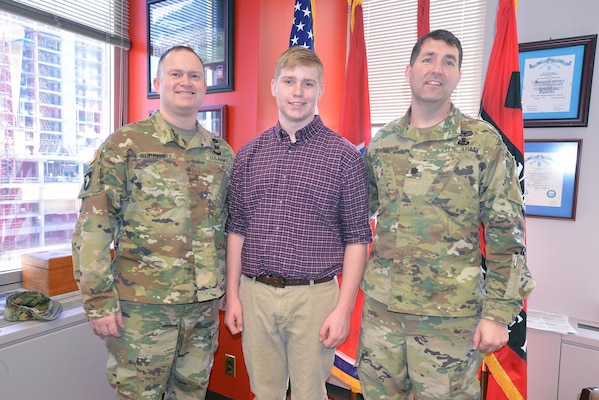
{"x":556,"y":78}
{"x":551,"y":170}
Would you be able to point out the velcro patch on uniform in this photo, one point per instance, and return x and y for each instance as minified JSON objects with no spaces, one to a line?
{"x":167,"y":156}
{"x":87,"y":179}
{"x":220,"y":159}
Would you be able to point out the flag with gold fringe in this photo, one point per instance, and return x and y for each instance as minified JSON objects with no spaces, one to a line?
{"x":504,"y":373}
{"x":354,"y":125}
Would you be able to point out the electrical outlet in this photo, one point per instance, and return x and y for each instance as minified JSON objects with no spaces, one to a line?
{"x":230,"y":367}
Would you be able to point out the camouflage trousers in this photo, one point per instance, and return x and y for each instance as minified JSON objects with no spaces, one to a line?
{"x":402,"y":356}
{"x":163,"y":349}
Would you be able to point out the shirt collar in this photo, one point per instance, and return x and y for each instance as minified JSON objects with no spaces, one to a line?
{"x":304,"y":134}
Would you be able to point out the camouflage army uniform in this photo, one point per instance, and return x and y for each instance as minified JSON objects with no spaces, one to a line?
{"x":432,"y":188}
{"x":163,"y":203}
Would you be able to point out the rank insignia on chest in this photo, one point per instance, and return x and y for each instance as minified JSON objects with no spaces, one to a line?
{"x":192,"y":174}
{"x":216,"y":147}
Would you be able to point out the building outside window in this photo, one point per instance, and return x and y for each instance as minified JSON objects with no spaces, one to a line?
{"x":55,"y":110}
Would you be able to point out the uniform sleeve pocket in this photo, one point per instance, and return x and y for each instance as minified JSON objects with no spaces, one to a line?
{"x":514,"y":283}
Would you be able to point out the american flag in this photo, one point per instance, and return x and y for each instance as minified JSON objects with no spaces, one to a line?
{"x":302,"y":29}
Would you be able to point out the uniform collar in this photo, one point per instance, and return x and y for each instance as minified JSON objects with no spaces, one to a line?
{"x":164,"y":133}
{"x":449,"y":128}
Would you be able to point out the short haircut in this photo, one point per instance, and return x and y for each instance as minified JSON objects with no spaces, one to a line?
{"x":440,"y":34}
{"x":173,"y":49}
{"x":299,"y":56}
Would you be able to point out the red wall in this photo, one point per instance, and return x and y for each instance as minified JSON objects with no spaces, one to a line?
{"x":261,"y":33}
{"x":262,"y":30}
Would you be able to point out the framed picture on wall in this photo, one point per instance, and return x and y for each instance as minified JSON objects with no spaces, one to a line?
{"x":214,"y":119}
{"x":551,"y":169}
{"x":205,"y":26}
{"x":556,"y":78}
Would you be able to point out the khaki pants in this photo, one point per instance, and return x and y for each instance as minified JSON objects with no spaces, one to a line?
{"x":281,"y":338}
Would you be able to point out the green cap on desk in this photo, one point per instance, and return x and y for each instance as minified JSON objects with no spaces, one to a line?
{"x":31,"y":305}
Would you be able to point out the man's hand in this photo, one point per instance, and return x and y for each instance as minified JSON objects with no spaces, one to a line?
{"x":234,"y":315}
{"x":489,"y":336}
{"x":108,"y":326}
{"x":334,"y":330}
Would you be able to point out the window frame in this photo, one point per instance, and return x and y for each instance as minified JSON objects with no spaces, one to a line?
{"x":116,"y":55}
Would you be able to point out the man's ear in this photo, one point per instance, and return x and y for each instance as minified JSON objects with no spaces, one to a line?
{"x":156,"y":84}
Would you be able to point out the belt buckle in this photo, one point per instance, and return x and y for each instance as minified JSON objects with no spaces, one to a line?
{"x":278,"y":281}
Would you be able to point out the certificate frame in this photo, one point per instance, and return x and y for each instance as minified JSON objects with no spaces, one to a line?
{"x":551,"y":170}
{"x":555,"y":79}
{"x":205,"y":26}
{"x":214,"y":119}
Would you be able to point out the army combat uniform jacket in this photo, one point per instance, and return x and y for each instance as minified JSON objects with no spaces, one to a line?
{"x":432,"y":189}
{"x":163,"y":204}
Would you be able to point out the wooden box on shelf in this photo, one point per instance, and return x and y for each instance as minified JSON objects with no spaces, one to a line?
{"x":50,"y":272}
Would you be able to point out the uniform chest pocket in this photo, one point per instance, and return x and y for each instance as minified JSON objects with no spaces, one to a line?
{"x":157,"y":186}
{"x":390,"y":172}
{"x":454,"y":187}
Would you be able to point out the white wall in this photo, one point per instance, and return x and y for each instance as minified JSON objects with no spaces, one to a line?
{"x":562,"y":255}
{"x":65,"y":364}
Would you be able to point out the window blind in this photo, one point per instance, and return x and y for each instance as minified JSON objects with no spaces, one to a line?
{"x":105,"y":20}
{"x":390,"y":33}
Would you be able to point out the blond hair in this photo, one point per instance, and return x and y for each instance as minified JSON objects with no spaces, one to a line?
{"x":299,"y":56}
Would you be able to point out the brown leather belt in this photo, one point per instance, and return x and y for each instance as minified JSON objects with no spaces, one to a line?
{"x":281,"y":282}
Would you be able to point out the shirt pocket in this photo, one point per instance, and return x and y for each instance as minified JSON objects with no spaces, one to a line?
{"x":454,"y":188}
{"x":389,"y":169}
{"x":157,"y":190}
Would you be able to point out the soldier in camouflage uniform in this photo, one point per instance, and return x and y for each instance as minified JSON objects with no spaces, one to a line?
{"x":157,"y":188}
{"x":436,"y":175}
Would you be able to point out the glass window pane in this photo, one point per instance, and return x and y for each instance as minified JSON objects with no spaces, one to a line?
{"x":55,"y":110}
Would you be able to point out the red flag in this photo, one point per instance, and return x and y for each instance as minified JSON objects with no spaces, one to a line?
{"x":354,"y":126}
{"x":355,"y":103}
{"x":423,"y":24}
{"x":501,"y":106}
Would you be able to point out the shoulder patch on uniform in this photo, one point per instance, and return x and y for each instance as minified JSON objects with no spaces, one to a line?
{"x":88,"y":178}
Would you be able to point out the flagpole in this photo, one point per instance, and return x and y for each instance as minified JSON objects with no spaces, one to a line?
{"x":484,"y":380}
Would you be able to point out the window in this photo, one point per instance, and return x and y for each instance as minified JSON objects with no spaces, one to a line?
{"x":390,"y":34}
{"x":60,"y":82}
